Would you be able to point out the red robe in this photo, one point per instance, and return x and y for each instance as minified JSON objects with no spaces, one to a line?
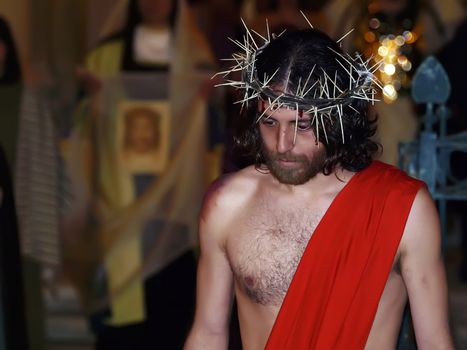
{"x":332,"y":300}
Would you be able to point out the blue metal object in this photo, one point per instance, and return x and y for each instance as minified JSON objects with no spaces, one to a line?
{"x":428,"y":158}
{"x":430,"y":83}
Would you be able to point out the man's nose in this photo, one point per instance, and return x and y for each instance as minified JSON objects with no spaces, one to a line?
{"x":285,"y":139}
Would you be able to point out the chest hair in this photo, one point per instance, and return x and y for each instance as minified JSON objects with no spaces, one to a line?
{"x":269,"y":247}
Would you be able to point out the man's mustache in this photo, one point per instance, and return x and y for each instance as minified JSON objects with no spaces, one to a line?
{"x":287,"y":157}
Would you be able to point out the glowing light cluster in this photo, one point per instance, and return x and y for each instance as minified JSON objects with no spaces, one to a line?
{"x":389,"y":50}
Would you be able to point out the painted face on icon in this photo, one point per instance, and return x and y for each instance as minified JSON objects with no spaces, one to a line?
{"x":141,"y":132}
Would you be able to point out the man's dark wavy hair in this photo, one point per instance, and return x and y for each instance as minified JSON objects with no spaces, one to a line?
{"x":295,"y":53}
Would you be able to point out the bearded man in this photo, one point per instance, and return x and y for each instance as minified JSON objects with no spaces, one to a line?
{"x":321,"y":246}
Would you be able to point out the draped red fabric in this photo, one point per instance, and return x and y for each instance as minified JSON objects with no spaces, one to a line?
{"x":334,"y":295}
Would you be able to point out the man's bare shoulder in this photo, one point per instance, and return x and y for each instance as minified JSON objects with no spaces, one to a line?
{"x":231,"y":191}
{"x":421,"y":240}
{"x":422,"y":222}
{"x":225,"y":202}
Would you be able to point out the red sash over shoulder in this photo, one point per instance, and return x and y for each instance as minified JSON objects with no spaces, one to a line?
{"x":334,"y":295}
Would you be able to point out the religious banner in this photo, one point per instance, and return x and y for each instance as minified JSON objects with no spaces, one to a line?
{"x":139,"y":173}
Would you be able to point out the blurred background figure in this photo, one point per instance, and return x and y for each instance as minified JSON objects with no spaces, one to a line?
{"x":10,"y":92}
{"x":220,"y":20}
{"x":13,"y":328}
{"x":10,"y":71}
{"x":144,"y":43}
{"x":140,"y":135}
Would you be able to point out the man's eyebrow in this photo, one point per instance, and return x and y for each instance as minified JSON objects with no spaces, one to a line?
{"x":264,"y":120}
{"x":303,"y":119}
{"x":268,"y":116}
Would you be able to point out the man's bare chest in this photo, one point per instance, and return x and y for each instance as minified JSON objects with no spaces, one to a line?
{"x":265,"y":248}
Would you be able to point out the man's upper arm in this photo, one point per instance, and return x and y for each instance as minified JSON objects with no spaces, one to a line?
{"x":424,"y":275}
{"x":214,"y":280}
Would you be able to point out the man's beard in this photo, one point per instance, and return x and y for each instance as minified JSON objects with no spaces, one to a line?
{"x":299,"y":173}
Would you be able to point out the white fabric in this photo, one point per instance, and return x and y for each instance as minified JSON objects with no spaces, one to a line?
{"x":37,"y":179}
{"x":152,"y":46}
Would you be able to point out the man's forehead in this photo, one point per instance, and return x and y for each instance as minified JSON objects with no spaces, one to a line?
{"x":281,"y":112}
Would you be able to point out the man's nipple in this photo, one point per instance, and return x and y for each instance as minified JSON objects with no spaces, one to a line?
{"x":249,"y":281}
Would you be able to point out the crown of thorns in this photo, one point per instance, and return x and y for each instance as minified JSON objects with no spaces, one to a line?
{"x":321,"y":99}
